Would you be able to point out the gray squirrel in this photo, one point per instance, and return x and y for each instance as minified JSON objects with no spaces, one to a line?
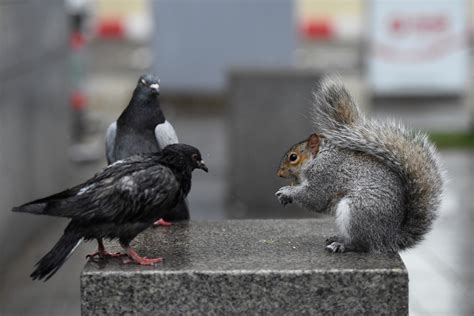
{"x":382,"y":181}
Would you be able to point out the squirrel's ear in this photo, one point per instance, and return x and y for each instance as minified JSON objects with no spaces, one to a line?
{"x":313,"y":144}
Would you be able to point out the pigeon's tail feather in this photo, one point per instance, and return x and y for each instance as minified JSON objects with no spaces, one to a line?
{"x":31,"y":208}
{"x":55,"y":258}
{"x":44,"y":205}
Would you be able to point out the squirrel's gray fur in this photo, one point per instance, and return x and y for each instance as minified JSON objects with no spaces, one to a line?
{"x":382,"y":181}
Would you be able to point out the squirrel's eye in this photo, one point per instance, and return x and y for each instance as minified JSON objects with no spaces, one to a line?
{"x":293,"y":157}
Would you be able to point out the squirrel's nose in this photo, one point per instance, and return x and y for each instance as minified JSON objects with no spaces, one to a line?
{"x":280,"y":173}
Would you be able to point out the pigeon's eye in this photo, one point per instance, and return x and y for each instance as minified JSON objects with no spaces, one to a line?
{"x":195,"y":157}
{"x":293,"y":158}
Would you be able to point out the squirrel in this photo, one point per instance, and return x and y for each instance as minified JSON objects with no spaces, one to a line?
{"x":382,"y":182}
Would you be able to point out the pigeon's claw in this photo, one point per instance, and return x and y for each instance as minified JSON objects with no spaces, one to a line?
{"x":148,"y":261}
{"x":136,"y":258}
{"x":162,"y":222}
{"x":104,"y":254}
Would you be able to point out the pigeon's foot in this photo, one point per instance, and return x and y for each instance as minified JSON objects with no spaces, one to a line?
{"x":102,"y":253}
{"x":105,"y":254}
{"x":162,"y":222}
{"x":144,"y":261}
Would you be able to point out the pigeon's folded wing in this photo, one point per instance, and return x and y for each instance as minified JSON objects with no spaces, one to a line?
{"x":165,"y":134}
{"x":110,"y":142}
{"x":123,"y":199}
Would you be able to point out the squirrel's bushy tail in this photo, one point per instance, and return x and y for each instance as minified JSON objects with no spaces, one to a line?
{"x":410,"y":154}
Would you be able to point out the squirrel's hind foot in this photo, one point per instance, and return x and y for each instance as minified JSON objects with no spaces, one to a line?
{"x":332,"y":239}
{"x":335,"y":246}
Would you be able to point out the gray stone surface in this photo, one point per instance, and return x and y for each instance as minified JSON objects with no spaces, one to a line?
{"x":246,"y":267}
{"x":269,"y":110}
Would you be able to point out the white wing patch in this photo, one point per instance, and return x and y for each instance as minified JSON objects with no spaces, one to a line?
{"x":165,"y":134}
{"x":343,"y":217}
{"x":85,"y":189}
{"x":127,"y":184}
{"x":110,"y":142}
{"x":118,"y":162}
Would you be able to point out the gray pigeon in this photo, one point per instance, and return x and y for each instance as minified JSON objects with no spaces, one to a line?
{"x":142,"y":128}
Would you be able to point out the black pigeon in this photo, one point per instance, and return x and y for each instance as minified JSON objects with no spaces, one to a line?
{"x":117,"y":203}
{"x":142,"y":128}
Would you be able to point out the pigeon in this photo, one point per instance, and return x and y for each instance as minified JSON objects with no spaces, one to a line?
{"x":117,"y":203}
{"x":142,"y":128}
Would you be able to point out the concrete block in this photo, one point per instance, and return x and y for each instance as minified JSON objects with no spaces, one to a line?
{"x":253,"y":267}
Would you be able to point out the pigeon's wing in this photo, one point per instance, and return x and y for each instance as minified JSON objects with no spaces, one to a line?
{"x":53,"y":204}
{"x":126,"y":198}
{"x":110,"y":142}
{"x":165,"y":135}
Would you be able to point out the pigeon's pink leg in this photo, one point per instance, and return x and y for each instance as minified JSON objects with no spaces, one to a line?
{"x":102,"y":253}
{"x":162,"y":222}
{"x":135,"y":257}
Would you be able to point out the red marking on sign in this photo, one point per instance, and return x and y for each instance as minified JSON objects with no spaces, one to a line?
{"x":111,"y":28}
{"x":396,"y":25}
{"x":317,"y":29}
{"x":418,"y":24}
{"x":440,"y":48}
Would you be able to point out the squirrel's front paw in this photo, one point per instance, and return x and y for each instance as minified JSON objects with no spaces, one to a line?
{"x":284,"y":195}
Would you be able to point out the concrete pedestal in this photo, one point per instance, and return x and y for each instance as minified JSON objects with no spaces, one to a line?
{"x":268,"y":267}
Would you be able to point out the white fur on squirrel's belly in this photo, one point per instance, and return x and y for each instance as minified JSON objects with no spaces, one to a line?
{"x":343,"y":217}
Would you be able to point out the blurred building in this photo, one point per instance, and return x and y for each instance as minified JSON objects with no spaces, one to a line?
{"x":330,"y":34}
{"x":197,"y":43}
{"x":35,"y":120}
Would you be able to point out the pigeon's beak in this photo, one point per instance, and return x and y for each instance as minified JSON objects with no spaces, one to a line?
{"x":202,"y":165}
{"x":155,"y":88}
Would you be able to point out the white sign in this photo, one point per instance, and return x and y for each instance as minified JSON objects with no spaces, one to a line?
{"x":419,"y":47}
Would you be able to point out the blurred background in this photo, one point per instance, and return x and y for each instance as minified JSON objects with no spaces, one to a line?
{"x":236,"y":81}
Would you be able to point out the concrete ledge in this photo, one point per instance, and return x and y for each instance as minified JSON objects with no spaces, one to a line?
{"x":246,"y":266}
